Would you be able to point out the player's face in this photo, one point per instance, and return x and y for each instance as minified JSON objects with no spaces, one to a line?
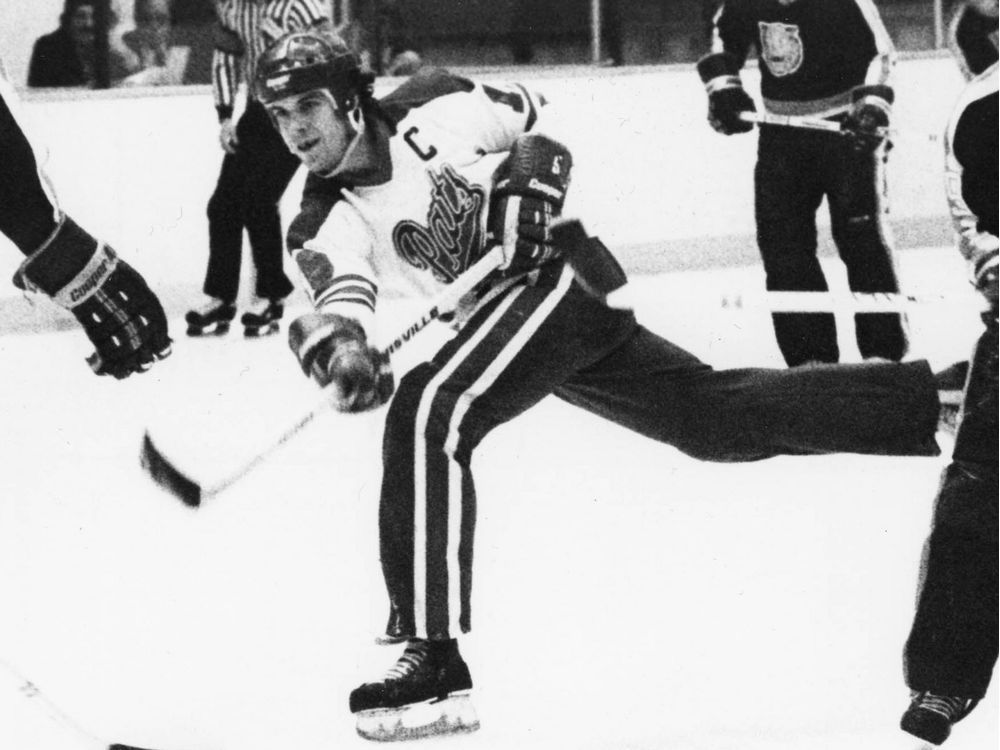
{"x":81,"y":24}
{"x":313,"y":129}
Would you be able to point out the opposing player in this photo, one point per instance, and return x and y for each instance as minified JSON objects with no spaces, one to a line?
{"x":827,"y":59}
{"x":119,"y":313}
{"x":405,"y":193}
{"x":952,"y":646}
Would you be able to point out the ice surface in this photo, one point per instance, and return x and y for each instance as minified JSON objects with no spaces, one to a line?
{"x":626,"y":597}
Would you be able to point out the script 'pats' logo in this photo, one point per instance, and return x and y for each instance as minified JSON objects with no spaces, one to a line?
{"x":781,"y":47}
{"x":453,"y":234}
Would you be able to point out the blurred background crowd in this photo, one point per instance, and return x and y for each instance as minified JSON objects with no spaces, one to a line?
{"x":111,"y":43}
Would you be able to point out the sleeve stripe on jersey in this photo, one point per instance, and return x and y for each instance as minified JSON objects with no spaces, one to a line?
{"x":347,"y":288}
{"x":326,"y":302}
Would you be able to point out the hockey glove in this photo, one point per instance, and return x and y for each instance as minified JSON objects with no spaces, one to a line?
{"x":121,"y":316}
{"x":334,"y":349}
{"x":529,"y":189}
{"x":868,"y":119}
{"x":727,"y":99}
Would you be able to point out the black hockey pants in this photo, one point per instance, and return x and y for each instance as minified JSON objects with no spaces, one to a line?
{"x":952,"y":646}
{"x":534,"y":341}
{"x":251,"y":182}
{"x":795,"y":170}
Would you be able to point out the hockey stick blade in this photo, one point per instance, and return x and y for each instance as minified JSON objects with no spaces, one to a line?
{"x":168,"y":476}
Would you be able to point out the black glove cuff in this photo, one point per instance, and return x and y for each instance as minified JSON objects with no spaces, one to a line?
{"x":718,"y":65}
{"x":69,"y":268}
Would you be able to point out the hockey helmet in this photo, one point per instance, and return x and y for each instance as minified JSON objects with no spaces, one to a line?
{"x":313,"y":59}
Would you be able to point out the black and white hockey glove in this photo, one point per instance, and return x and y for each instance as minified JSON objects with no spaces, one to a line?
{"x":334,"y":349}
{"x":529,"y":189}
{"x":121,"y":316}
{"x":868,"y":119}
{"x":727,"y":99}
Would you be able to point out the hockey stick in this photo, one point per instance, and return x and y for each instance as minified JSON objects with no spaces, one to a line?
{"x":625,"y":298}
{"x":192,"y":492}
{"x":792,"y":121}
{"x":592,"y":263}
{"x":855,"y":302}
{"x":818,"y":123}
{"x":20,"y":685}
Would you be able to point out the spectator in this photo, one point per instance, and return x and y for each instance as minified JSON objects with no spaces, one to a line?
{"x":379,"y":35}
{"x":74,"y":54}
{"x":156,"y":61}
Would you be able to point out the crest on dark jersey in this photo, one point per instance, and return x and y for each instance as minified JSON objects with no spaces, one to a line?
{"x":453,"y":235}
{"x":780,"y":47}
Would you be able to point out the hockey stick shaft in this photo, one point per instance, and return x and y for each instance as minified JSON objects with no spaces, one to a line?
{"x":818,"y":123}
{"x":17,"y":684}
{"x":856,"y":302}
{"x":626,"y":298}
{"x":165,"y":472}
{"x":791,"y":121}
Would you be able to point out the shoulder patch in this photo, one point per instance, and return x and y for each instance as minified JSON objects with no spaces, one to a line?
{"x":424,"y":86}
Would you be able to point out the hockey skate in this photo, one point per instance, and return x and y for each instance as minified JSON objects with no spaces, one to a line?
{"x":930,"y":716}
{"x":212,"y":318}
{"x":425,"y":694}
{"x":263,"y":320}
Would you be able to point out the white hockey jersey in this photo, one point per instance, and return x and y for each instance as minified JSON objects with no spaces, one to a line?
{"x":418,"y":231}
{"x":971,"y":169}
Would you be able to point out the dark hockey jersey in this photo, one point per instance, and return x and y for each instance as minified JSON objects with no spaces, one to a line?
{"x":812,"y":52}
{"x":971,"y":167}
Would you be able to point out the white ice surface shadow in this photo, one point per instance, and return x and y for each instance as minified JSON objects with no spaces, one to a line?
{"x":625,"y":597}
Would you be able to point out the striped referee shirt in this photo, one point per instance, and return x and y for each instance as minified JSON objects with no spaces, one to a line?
{"x":246,"y":29}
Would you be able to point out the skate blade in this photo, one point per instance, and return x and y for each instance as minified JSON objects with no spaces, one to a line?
{"x":214,"y":329}
{"x":452,"y":715}
{"x":260,"y":331}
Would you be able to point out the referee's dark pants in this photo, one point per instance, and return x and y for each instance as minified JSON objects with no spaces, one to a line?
{"x":795,"y":170}
{"x":533,"y":341}
{"x":952,"y":646}
{"x":251,"y":182}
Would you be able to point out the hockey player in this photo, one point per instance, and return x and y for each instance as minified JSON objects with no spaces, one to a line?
{"x":972,"y":35}
{"x":952,"y":646}
{"x":255,"y":172}
{"x":121,"y":316}
{"x":405,"y":193}
{"x":832,"y":60}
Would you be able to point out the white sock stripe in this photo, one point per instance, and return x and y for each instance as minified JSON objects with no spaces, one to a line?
{"x":420,"y":464}
{"x":465,"y":400}
{"x":462,"y":404}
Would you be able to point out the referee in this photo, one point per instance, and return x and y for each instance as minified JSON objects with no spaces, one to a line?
{"x":256,"y":168}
